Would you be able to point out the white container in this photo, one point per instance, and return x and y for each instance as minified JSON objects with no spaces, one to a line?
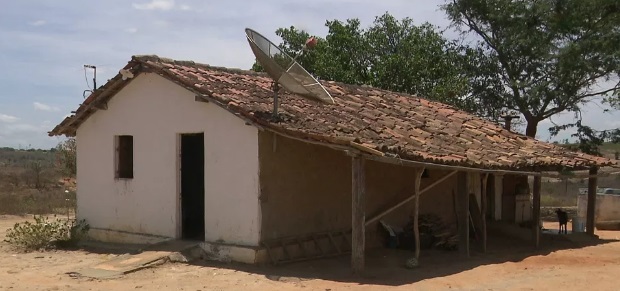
{"x":579,"y":224}
{"x":523,"y":208}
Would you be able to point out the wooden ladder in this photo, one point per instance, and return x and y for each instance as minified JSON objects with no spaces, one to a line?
{"x":308,"y":247}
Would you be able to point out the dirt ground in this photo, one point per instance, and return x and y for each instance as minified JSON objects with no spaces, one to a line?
{"x":507,"y":265}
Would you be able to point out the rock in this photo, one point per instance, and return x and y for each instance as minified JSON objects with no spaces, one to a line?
{"x":412,"y":263}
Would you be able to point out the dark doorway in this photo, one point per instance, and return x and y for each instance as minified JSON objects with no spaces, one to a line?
{"x":192,"y":186}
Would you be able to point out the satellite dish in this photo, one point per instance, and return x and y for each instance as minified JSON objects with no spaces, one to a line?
{"x":285,"y":70}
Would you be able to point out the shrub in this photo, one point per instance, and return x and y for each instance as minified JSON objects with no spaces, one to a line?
{"x":44,"y":233}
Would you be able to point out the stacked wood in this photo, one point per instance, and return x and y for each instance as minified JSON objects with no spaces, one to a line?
{"x":434,"y":233}
{"x":443,"y":237}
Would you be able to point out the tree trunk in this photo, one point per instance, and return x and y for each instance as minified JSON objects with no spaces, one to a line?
{"x":531,"y":129}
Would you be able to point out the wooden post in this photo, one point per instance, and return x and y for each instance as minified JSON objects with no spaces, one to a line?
{"x":399,"y":204}
{"x":483,"y":210}
{"x":592,"y":181}
{"x":536,"y":211}
{"x":358,"y":209}
{"x":462,"y":198}
{"x":416,"y":211}
{"x":508,"y":121}
{"x":499,"y":192}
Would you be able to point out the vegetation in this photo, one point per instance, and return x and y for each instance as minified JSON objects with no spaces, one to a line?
{"x":40,"y":182}
{"x":391,"y":54}
{"x":44,"y":233}
{"x":541,"y":58}
{"x":535,"y":58}
{"x":37,"y":181}
{"x":66,"y":157}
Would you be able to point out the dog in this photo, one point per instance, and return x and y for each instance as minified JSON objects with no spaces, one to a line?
{"x":562,"y":219}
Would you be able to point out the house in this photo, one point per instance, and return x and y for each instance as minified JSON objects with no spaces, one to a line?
{"x":175,"y":149}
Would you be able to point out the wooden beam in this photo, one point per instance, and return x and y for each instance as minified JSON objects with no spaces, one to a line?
{"x":408,"y":163}
{"x":366,"y":149}
{"x":483,"y":210}
{"x":358,"y":209}
{"x":201,"y":98}
{"x":462,"y":199}
{"x":101,"y":105}
{"x":416,"y":210}
{"x":536,"y":211}
{"x":399,"y":204}
{"x":591,"y":210}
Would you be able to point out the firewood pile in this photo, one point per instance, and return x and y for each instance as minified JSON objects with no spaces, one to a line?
{"x":434,"y":233}
{"x":433,"y":226}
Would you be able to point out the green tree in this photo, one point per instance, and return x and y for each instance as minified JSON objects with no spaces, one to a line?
{"x":390,"y":54}
{"x":36,"y":170}
{"x":66,"y":157}
{"x":541,"y":57}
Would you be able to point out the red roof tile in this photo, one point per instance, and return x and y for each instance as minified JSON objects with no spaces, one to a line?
{"x":392,"y":123}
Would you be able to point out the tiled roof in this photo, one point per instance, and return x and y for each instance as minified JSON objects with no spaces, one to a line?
{"x":393,"y":123}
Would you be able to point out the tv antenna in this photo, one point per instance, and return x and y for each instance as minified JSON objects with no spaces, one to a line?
{"x":286,"y":71}
{"x":94,"y":79}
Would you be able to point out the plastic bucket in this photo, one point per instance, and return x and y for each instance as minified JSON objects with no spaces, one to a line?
{"x":579,"y":224}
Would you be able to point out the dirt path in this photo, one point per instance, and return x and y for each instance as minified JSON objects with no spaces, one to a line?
{"x":587,"y":268}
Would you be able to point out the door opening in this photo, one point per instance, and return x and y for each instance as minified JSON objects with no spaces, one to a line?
{"x":192,"y":186}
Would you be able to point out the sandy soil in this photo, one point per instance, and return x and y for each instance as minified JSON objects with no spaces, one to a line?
{"x":506,"y":266}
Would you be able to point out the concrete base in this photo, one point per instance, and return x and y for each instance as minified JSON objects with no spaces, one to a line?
{"x":234,"y":253}
{"x":213,"y":250}
{"x":123,"y":237}
{"x":608,"y":225}
{"x":170,"y":251}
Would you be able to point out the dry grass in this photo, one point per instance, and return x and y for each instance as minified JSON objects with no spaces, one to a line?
{"x":31,"y":201}
{"x":30,"y":183}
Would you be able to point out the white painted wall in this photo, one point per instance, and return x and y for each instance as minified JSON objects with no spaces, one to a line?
{"x":607,"y":207}
{"x":475,"y":186}
{"x":155,"y":110}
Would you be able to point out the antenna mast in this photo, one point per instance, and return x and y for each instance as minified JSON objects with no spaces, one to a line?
{"x":95,"y":75}
{"x":94,"y":79}
{"x":275,"y":87}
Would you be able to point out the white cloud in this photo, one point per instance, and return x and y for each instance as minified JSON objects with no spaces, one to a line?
{"x":24,"y":127}
{"x":55,"y":58}
{"x":161,"y":24}
{"x":8,"y":118}
{"x":38,"y":22}
{"x":44,"y":107}
{"x":155,"y":5}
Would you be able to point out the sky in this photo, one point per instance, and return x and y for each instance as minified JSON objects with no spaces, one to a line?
{"x":44,"y":45}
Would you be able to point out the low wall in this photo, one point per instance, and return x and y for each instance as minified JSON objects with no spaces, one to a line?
{"x":607,"y":207}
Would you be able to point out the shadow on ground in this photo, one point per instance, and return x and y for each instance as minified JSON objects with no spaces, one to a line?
{"x":387,"y":266}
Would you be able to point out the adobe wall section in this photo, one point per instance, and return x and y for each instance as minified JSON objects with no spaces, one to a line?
{"x":306,"y":188}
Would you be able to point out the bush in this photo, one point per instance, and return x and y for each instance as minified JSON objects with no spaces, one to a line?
{"x":44,"y":233}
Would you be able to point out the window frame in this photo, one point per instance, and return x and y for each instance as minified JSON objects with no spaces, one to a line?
{"x":124,"y":159}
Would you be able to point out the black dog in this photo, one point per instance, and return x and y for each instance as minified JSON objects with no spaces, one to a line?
{"x":563,"y":219}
